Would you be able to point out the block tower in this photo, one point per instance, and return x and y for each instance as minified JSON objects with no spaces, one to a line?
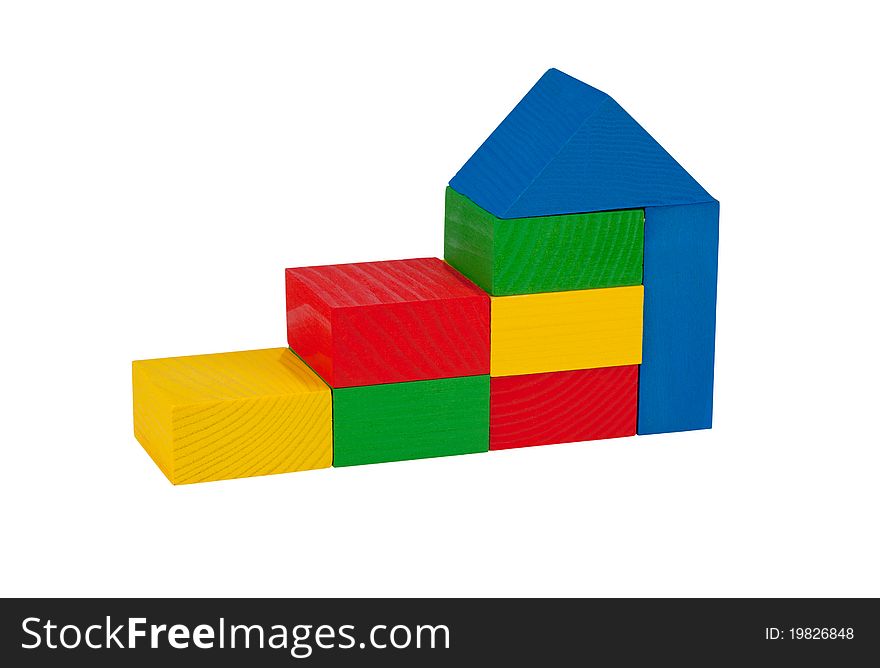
{"x":576,"y":302}
{"x":570,"y":194}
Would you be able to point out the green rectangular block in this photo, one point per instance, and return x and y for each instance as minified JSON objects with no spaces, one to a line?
{"x":397,"y":421}
{"x":516,"y":256}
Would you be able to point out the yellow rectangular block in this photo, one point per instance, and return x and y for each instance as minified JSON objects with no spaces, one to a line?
{"x":232,"y":415}
{"x":563,"y":331}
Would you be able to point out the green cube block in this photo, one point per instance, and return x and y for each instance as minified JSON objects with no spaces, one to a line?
{"x":515,"y":256}
{"x":397,"y":421}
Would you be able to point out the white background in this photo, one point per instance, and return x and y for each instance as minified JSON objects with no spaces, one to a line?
{"x":161,"y":163}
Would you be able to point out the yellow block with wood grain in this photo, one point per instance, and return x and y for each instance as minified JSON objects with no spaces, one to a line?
{"x":232,"y":415}
{"x":562,"y":331}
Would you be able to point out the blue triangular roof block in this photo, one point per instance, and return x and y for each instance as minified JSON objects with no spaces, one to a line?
{"x":569,"y":148}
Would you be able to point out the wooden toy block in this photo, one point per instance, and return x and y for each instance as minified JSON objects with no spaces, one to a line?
{"x":413,"y":420}
{"x":387,"y":322}
{"x":563,"y":407}
{"x":232,"y":415}
{"x":561,"y":331}
{"x":547,"y":254}
{"x":681,"y":273}
{"x":569,"y":148}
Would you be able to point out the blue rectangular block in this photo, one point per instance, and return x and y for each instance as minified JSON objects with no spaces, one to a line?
{"x":678,"y":349}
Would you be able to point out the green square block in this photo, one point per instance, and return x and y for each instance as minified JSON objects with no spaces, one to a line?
{"x":397,"y":421}
{"x":516,"y":256}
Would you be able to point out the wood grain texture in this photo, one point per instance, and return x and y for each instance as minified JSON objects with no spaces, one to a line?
{"x":569,"y":148}
{"x":561,"y":331}
{"x":563,"y":407}
{"x":469,"y":240}
{"x":433,"y":418}
{"x":387,"y":322}
{"x":681,"y":274}
{"x":232,"y":415}
{"x":546,"y":254}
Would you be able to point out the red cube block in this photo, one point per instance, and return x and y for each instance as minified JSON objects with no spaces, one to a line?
{"x":387,"y":322}
{"x":563,"y":406}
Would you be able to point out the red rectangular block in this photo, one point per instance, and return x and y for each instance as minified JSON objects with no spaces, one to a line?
{"x":387,"y":322}
{"x":563,"y":407}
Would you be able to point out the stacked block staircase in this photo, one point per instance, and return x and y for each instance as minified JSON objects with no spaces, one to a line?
{"x":576,"y":302}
